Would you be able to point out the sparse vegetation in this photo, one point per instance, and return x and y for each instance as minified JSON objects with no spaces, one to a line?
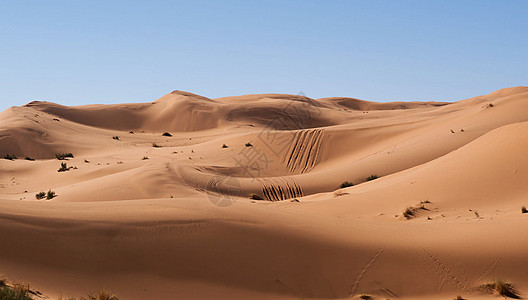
{"x":255,"y":197}
{"x":145,"y":157}
{"x":224,"y":146}
{"x":63,"y":156}
{"x":19,"y":291}
{"x":339,"y":193}
{"x":10,"y":157}
{"x":103,"y":294}
{"x":409,"y":213}
{"x":29,"y":158}
{"x":346,"y":184}
{"x":116,"y":138}
{"x":86,"y":161}
{"x":64,"y":168}
{"x":166,"y":134}
{"x":524,"y":210}
{"x":50,"y":195}
{"x":131,"y":132}
{"x":372,"y":177}
{"x":14,"y":292}
{"x":249,"y":145}
{"x":156,"y":145}
{"x":40,"y":195}
{"x":507,"y":290}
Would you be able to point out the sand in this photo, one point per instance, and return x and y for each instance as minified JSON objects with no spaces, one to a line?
{"x":242,"y":199}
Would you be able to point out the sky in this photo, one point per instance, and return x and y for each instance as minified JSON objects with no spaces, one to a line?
{"x":87,"y":52}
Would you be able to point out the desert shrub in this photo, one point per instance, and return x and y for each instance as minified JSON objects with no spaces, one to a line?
{"x":224,"y":146}
{"x":255,"y":197}
{"x":339,"y":193}
{"x":166,"y":134}
{"x":524,"y":210}
{"x":131,"y":132}
{"x":365,"y":297}
{"x":249,"y":145}
{"x":103,"y":294}
{"x":40,"y":195}
{"x":29,"y":158}
{"x":507,"y":290}
{"x":63,"y":168}
{"x":116,"y":138}
{"x":459,"y":298}
{"x":346,"y":184}
{"x":10,"y":157}
{"x":17,"y":292}
{"x":156,"y":145}
{"x":50,"y":195}
{"x":63,"y":156}
{"x":408,"y":213}
{"x":145,"y":157}
{"x":372,"y":177}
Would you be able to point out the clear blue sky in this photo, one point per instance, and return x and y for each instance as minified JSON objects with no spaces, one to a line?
{"x":83,"y":52}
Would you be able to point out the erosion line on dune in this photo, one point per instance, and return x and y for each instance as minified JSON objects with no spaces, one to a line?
{"x":292,"y":148}
{"x":313,"y":152}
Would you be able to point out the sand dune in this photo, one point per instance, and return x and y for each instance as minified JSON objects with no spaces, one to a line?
{"x":239,"y":197}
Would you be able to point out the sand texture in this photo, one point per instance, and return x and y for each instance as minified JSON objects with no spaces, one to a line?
{"x":239,"y":197}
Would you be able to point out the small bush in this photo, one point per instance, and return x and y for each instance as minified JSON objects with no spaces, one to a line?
{"x":10,"y":157}
{"x":102,"y":295}
{"x":116,"y":138}
{"x":346,"y":184}
{"x":372,"y":177}
{"x":255,"y":197}
{"x":339,"y":193}
{"x":63,"y":156}
{"x":507,"y":290}
{"x":29,"y":158}
{"x":408,"y":213}
{"x":16,"y":292}
{"x":224,"y":146}
{"x":365,"y":297}
{"x":63,"y":168}
{"x":131,"y":132}
{"x":40,"y":195}
{"x":50,"y":195}
{"x":156,"y":145}
{"x":524,"y":210}
{"x":249,"y":145}
{"x":166,"y":134}
{"x":145,"y":157}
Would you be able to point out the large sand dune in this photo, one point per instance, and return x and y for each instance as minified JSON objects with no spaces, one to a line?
{"x":241,"y":198}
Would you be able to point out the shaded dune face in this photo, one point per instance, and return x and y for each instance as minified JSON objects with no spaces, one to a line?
{"x":267,"y":196}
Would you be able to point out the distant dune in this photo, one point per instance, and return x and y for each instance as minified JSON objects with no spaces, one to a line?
{"x":267,"y":196}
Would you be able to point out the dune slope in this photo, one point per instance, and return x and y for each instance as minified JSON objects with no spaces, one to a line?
{"x":240,"y":197}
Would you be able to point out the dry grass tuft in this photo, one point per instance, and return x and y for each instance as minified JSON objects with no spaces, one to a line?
{"x":507,"y":290}
{"x":255,"y":197}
